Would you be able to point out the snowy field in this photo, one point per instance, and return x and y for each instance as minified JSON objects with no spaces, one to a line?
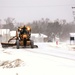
{"x":48,"y":59}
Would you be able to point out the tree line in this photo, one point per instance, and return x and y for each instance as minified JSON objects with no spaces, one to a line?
{"x":57,"y":28}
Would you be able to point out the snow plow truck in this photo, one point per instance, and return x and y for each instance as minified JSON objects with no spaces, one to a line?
{"x":22,"y":38}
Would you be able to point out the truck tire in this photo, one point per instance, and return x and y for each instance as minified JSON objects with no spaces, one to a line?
{"x":32,"y":44}
{"x":17,"y":44}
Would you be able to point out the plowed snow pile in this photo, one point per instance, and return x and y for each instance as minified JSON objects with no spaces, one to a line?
{"x":11,"y":64}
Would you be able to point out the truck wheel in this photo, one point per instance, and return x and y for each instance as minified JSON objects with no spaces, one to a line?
{"x":17,"y":44}
{"x":32,"y":44}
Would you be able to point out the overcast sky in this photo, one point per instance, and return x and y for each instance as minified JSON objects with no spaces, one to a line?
{"x":29,"y":10}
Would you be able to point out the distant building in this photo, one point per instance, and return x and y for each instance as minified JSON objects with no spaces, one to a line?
{"x":4,"y":35}
{"x":39,"y":37}
{"x":4,"y":31}
{"x":72,"y":38}
{"x":12,"y":33}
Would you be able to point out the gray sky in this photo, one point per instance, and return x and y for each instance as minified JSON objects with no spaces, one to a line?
{"x":29,"y":10}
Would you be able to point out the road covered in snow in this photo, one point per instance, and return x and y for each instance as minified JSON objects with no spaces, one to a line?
{"x":47,"y":59}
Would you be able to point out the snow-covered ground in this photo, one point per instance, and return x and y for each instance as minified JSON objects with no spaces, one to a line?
{"x":48,"y":59}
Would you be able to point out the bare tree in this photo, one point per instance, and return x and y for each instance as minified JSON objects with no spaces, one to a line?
{"x":9,"y":23}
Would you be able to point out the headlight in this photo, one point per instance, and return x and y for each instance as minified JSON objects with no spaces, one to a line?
{"x":19,"y":29}
{"x":28,"y":28}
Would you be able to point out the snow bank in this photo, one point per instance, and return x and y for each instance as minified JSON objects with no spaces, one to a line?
{"x":37,"y":62}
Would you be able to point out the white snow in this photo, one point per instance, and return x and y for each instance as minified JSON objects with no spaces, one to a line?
{"x":48,"y":59}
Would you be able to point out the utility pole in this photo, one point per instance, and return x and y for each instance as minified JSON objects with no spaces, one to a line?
{"x":73,"y":11}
